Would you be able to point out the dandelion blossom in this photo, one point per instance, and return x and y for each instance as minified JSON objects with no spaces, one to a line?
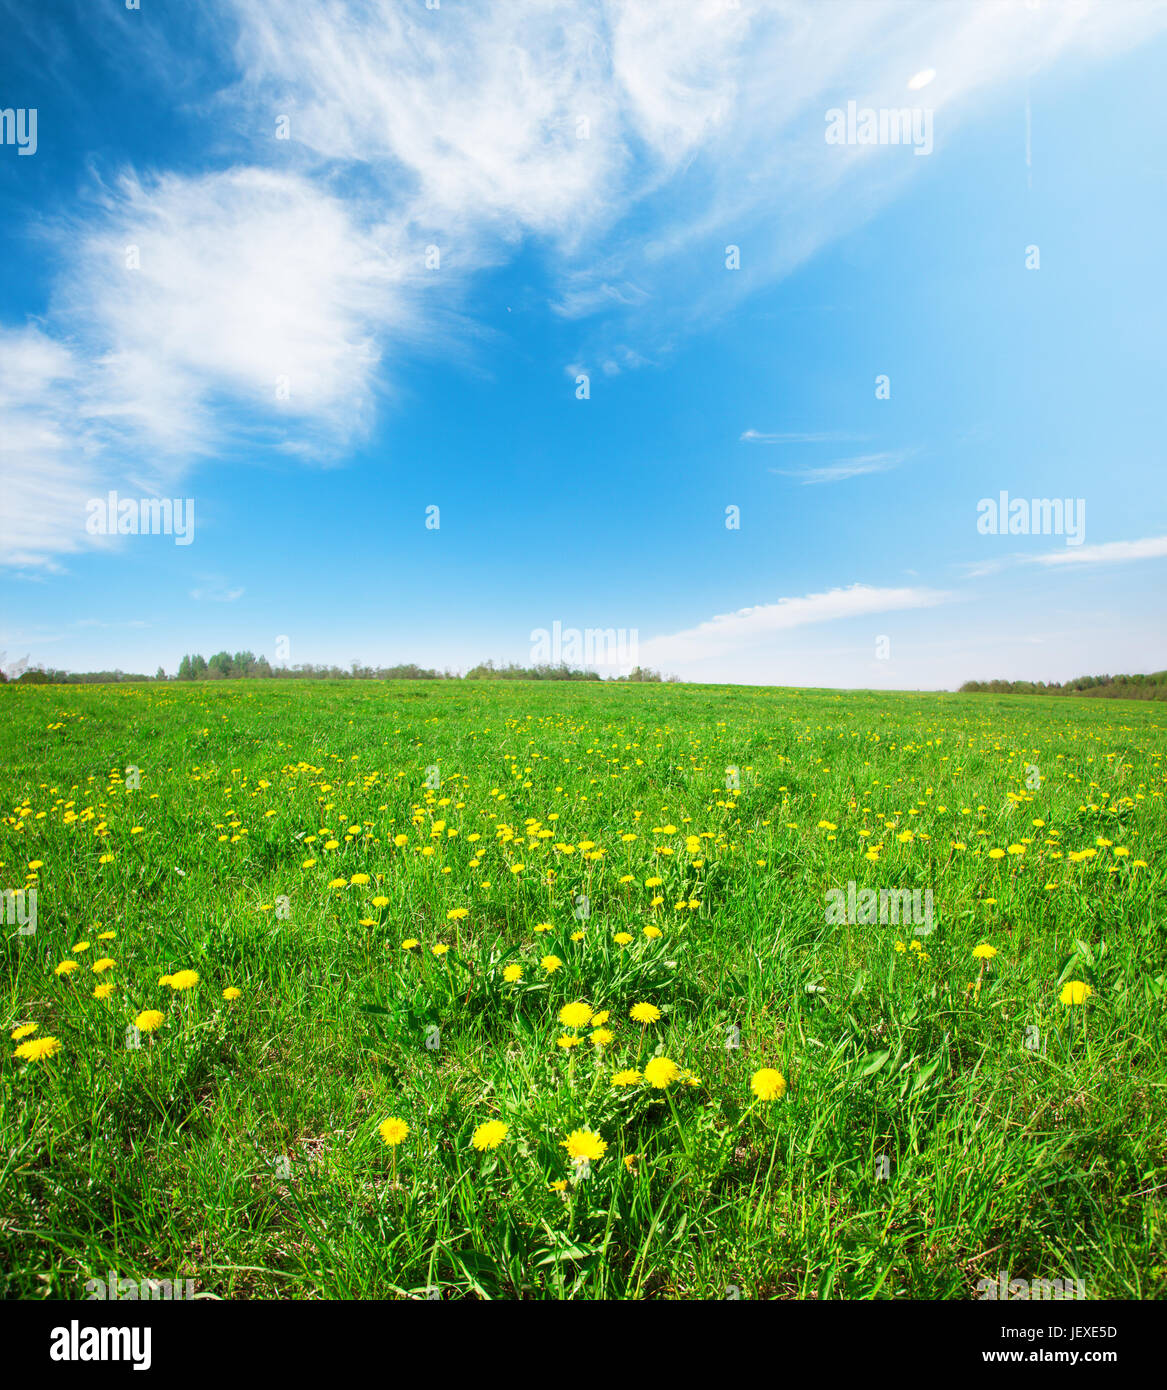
{"x":768,"y":1084}
{"x":18,"y":1034}
{"x":575,"y":1015}
{"x":984,"y":951}
{"x":644,"y":1013}
{"x":660,"y":1072}
{"x":1075,"y":992}
{"x":489,"y":1135}
{"x":148,"y":1020}
{"x":393,"y":1131}
{"x":585,"y":1145}
{"x":626,"y":1078}
{"x":37,"y":1049}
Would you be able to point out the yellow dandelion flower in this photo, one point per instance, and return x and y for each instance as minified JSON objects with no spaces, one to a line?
{"x":626,"y":1078}
{"x":768,"y":1084}
{"x":37,"y":1049}
{"x":984,"y":951}
{"x":585,"y":1145}
{"x":512,"y":974}
{"x":644,"y":1013}
{"x":184,"y":979}
{"x":393,"y":1131}
{"x":1075,"y":992}
{"x":575,"y":1015}
{"x":66,"y":967}
{"x":550,"y":964}
{"x":660,"y":1072}
{"x":102,"y":991}
{"x":489,"y":1135}
{"x":231,"y":992}
{"x":148,"y":1020}
{"x":24,"y":1031}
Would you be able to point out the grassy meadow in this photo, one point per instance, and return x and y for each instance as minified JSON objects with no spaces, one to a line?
{"x":272,"y":919}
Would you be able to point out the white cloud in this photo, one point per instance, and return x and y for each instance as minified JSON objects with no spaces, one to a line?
{"x":248,"y":282}
{"x":842,"y":469}
{"x":1110,"y":553}
{"x":257,"y":314}
{"x":732,"y":633}
{"x":47,"y":464}
{"x":819,"y":437}
{"x":215,"y":590}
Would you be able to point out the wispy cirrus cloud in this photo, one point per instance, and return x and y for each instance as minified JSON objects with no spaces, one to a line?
{"x":1107,"y":553}
{"x":811,"y":437}
{"x":216,"y":590}
{"x":842,"y":469}
{"x":734,"y":632}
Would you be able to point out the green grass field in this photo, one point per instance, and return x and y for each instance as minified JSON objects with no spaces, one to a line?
{"x":944,"y":1117}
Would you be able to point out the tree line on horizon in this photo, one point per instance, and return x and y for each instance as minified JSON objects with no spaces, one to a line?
{"x":1148,"y":687}
{"x":247,"y":666}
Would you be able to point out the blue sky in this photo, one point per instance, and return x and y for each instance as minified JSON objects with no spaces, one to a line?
{"x":303,"y":261}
